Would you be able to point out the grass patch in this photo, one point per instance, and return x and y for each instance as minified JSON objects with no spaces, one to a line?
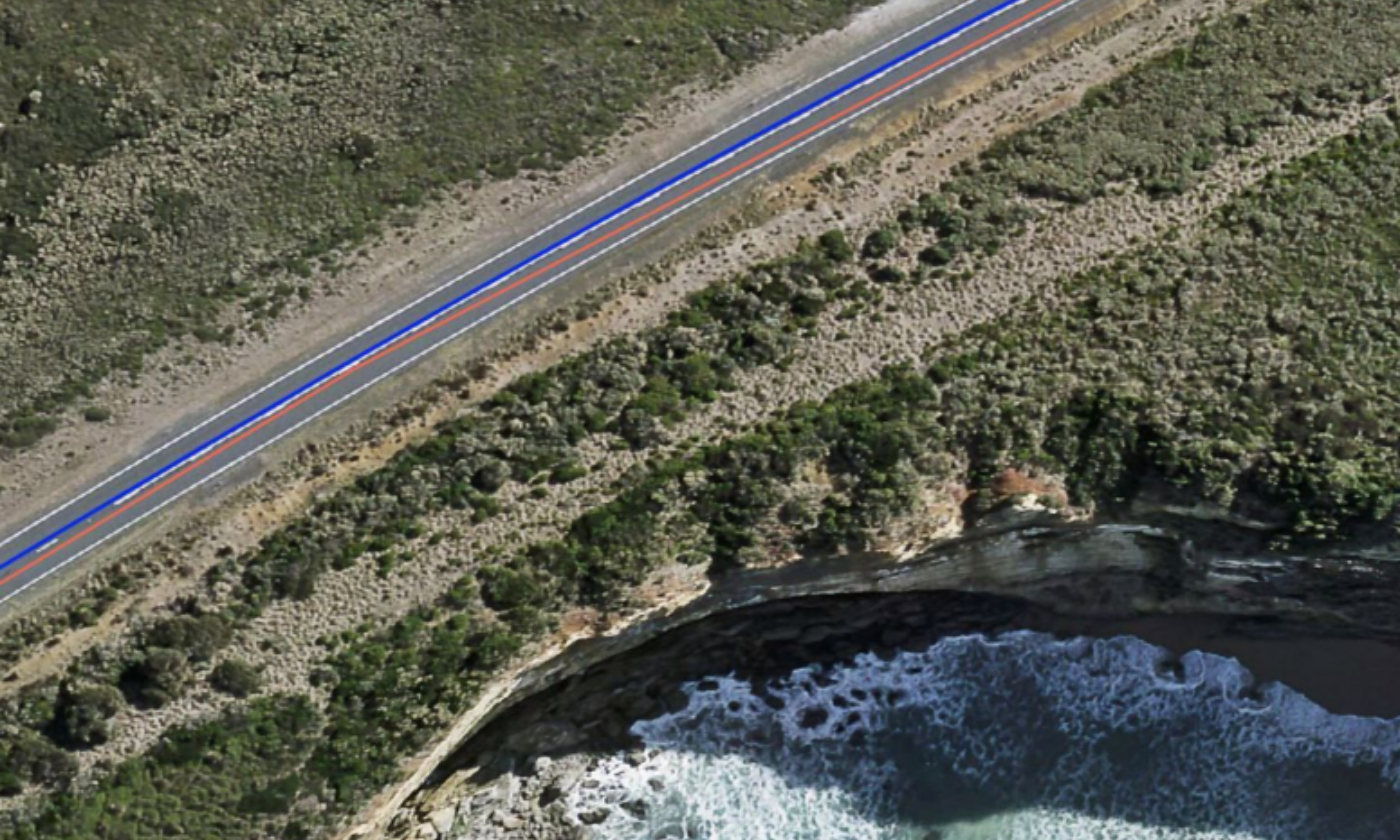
{"x":1253,"y":368}
{"x":305,"y":127}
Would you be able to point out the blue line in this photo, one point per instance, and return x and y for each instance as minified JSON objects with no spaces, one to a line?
{"x":544,"y":252}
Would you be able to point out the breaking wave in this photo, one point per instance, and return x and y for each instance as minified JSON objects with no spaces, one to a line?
{"x":1013,"y":737}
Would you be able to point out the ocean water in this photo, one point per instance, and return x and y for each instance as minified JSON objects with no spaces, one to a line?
{"x":1016,"y":737}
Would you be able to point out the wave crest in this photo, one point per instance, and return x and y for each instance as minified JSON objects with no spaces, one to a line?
{"x":1018,"y":735}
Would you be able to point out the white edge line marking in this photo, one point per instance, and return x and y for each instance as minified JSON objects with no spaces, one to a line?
{"x":468,"y":326}
{"x":416,"y":302}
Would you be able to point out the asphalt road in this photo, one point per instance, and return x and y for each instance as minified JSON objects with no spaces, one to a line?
{"x":954,"y":35}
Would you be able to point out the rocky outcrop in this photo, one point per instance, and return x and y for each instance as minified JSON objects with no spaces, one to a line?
{"x":1021,"y":568}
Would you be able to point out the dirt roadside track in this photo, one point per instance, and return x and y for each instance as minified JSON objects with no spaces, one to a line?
{"x":695,"y":118}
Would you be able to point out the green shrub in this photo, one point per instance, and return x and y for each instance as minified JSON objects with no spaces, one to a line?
{"x":236,"y":678}
{"x":159,"y":677}
{"x":834,"y":245}
{"x":198,"y":637}
{"x":504,"y":588}
{"x":888,"y":275}
{"x":25,"y":431}
{"x":195,"y":783}
{"x":32,"y":758}
{"x":880,"y":242}
{"x":567,"y":472}
{"x":936,"y":255}
{"x":82,"y":714}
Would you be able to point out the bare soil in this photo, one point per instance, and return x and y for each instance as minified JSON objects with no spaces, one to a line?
{"x":841,"y":352}
{"x":439,"y":241}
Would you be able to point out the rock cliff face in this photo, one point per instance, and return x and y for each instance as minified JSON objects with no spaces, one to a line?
{"x":1165,"y":577}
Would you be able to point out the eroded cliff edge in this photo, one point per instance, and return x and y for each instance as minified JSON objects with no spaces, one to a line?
{"x":1180,"y":578}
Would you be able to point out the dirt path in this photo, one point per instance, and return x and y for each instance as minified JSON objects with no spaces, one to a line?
{"x":356,"y":443}
{"x":842,"y":352}
{"x":444,"y":237}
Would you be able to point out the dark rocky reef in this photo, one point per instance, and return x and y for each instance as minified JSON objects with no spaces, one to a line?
{"x":1180,"y":582}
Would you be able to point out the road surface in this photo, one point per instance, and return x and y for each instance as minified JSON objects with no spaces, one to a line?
{"x":955,"y":34}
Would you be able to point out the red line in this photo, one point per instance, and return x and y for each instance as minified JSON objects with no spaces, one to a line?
{"x":479,"y":302}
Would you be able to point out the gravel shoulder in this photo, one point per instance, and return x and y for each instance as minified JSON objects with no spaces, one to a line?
{"x":920,"y":147}
{"x":902,"y":311}
{"x":439,"y":242}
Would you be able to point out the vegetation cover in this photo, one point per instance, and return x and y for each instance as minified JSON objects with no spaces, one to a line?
{"x":1250,"y":365}
{"x":178,"y":170}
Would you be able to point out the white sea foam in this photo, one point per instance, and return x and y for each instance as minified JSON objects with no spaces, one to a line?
{"x":1041,"y":824}
{"x":1018,"y":736}
{"x":745,"y":801}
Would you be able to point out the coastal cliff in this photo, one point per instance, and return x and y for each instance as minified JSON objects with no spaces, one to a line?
{"x":1181,"y":578}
